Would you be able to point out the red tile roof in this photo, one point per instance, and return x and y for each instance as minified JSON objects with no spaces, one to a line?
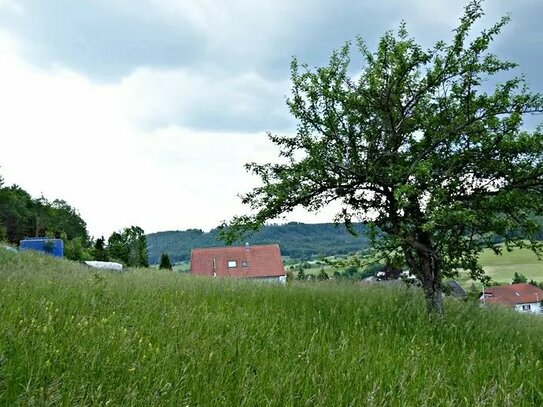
{"x":513,"y":294}
{"x":250,"y":261}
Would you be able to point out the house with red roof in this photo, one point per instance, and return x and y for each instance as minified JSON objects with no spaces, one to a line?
{"x":522,"y":297}
{"x":262,"y":262}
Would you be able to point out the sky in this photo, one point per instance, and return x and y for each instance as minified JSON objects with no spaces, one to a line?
{"x":143,"y":112}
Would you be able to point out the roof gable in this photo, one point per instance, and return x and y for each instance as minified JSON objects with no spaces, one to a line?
{"x":513,"y":294}
{"x":244,"y":262}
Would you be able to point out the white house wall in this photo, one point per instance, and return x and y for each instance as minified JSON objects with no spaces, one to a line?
{"x":535,"y":307}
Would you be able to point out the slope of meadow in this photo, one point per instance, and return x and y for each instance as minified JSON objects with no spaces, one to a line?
{"x":502,"y":268}
{"x":71,"y":336}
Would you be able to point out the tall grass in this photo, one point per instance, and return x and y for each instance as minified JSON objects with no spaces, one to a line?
{"x":71,"y":336}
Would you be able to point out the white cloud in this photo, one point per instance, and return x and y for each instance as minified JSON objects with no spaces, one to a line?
{"x":67,"y":137}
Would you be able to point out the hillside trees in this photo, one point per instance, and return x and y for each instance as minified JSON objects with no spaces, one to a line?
{"x":16,"y":213}
{"x":23,"y":216}
{"x":297,"y":240}
{"x":422,"y":146}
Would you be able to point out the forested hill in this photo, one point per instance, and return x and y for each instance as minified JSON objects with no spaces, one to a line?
{"x":298,"y":240}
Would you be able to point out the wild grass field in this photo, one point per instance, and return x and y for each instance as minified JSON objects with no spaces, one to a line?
{"x":72,"y":336}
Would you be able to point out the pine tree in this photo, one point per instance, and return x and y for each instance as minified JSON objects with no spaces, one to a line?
{"x":165,"y":262}
{"x":519,"y":278}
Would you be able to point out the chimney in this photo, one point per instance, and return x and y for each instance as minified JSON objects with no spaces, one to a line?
{"x":247,"y":246}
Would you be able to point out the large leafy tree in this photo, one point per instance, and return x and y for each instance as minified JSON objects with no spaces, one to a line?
{"x":129,"y":246}
{"x":16,"y":213}
{"x":426,"y":145}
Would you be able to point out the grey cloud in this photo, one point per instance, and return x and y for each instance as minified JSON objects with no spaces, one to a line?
{"x":100,"y":39}
{"x":205,"y":100}
{"x":219,"y":44}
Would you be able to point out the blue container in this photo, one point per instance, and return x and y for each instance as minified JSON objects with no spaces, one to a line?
{"x":54,"y":247}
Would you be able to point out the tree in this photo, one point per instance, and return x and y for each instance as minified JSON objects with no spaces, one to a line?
{"x":419,"y":147}
{"x":22,"y":216}
{"x":117,"y":248}
{"x":129,"y":246}
{"x":165,"y":262}
{"x":75,"y":249}
{"x":64,"y":219}
{"x":16,"y":213}
{"x":323,"y":275}
{"x":519,"y":278}
{"x":100,"y":252}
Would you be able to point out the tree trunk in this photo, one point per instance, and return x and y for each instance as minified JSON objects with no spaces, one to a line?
{"x":423,"y":262}
{"x":434,"y":296}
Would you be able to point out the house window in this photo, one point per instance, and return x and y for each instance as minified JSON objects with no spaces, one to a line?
{"x":232,"y":264}
{"x":243,"y":263}
{"x":526,"y":307}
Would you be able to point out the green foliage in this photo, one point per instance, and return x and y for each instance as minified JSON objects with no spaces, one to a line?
{"x":301,"y":275}
{"x":165,"y":262}
{"x":3,"y":233}
{"x":16,"y":213}
{"x":76,"y":250}
{"x":99,"y":252}
{"x":129,"y":247}
{"x":350,"y":270}
{"x":297,"y":240}
{"x":323,"y":275}
{"x":73,"y":337}
{"x":519,"y":278}
{"x":117,"y":248}
{"x":438,"y":166}
{"x":22,"y":216}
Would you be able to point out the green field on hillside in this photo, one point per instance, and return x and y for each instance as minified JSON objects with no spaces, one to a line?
{"x":501,"y":268}
{"x":73,"y":336}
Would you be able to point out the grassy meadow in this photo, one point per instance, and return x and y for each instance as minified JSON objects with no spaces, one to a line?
{"x":72,"y":336}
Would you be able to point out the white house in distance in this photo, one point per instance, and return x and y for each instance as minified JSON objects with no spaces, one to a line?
{"x":262,"y":262}
{"x":522,"y":297}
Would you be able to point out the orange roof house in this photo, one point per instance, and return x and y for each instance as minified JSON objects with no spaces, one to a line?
{"x":523,"y":297}
{"x":260,"y":262}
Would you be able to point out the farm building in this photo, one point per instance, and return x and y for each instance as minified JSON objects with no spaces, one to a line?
{"x":261,"y":262}
{"x":522,"y":297}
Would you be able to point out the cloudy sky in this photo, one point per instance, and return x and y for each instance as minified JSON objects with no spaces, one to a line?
{"x":143,"y":112}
